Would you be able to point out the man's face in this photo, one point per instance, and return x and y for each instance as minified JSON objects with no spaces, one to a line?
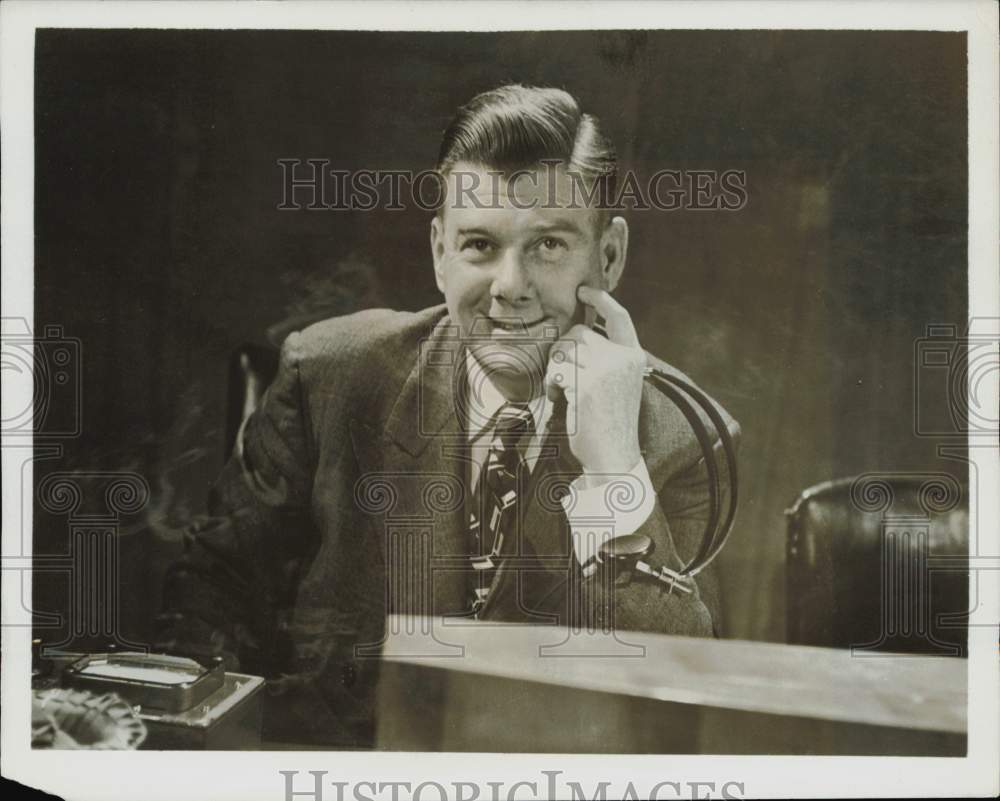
{"x":509,"y":257}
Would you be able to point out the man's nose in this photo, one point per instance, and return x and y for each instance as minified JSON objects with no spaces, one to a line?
{"x":511,"y":281}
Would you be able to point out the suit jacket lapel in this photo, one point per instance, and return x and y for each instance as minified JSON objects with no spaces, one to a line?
{"x":543,"y":522}
{"x":422,"y":461}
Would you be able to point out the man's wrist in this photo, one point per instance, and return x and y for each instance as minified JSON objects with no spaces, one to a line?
{"x":600,"y":471}
{"x":602,"y":506}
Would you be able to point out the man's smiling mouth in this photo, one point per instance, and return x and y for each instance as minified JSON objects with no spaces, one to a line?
{"x":514,"y":324}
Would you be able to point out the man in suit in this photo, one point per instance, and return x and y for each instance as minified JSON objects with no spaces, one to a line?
{"x":467,"y":460}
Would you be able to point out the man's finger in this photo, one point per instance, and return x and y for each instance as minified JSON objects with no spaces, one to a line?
{"x":583,"y":334}
{"x":616,"y":317}
{"x":568,"y":350}
{"x":560,"y":377}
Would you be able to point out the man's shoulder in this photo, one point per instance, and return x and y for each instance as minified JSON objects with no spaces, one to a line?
{"x":355,"y":365}
{"x":375,"y":334}
{"x":369,"y":328}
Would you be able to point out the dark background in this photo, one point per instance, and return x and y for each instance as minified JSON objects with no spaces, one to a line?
{"x":159,"y":245}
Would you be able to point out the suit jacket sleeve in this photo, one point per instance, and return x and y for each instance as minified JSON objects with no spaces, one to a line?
{"x":226,"y":595}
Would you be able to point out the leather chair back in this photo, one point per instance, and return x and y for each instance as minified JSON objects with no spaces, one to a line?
{"x":879,"y":562}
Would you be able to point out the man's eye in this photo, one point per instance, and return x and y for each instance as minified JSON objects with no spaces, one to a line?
{"x":478,"y":245}
{"x":551,"y":244}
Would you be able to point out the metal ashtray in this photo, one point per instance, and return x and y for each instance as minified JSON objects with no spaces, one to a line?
{"x":154,"y":681}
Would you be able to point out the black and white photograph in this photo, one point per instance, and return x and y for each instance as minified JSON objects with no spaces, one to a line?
{"x":500,"y":400}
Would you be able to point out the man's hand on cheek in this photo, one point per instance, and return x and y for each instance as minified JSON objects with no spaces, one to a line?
{"x":602,"y":381}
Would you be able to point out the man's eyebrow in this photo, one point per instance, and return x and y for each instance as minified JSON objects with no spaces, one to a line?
{"x":474,"y":232}
{"x":557,"y":225}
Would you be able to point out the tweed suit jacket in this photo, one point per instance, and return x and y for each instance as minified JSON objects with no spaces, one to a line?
{"x":345,"y":500}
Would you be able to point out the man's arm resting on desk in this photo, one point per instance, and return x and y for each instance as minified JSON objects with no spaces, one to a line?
{"x":221,"y":598}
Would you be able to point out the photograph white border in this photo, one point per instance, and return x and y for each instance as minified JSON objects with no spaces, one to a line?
{"x":241,"y":776}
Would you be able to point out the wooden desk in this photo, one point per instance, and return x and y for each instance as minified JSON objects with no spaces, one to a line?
{"x":490,"y":687}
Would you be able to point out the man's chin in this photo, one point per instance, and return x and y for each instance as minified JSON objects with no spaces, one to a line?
{"x":511,"y":366}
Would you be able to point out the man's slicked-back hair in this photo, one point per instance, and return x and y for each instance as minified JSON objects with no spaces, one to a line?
{"x":517,"y":127}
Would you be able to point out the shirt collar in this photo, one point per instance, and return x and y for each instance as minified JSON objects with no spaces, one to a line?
{"x":485,"y":399}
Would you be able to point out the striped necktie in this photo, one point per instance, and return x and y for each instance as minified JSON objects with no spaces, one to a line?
{"x":494,"y":507}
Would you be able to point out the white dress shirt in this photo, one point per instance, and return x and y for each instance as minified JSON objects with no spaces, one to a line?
{"x":587,"y":509}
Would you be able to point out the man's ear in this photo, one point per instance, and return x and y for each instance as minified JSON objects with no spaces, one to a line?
{"x":437,"y":250}
{"x":614,"y":251}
